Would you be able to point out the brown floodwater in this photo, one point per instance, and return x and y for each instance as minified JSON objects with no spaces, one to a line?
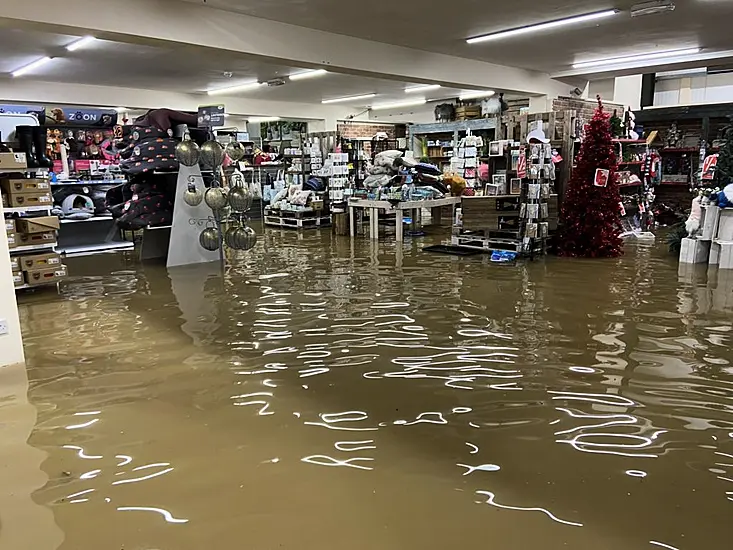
{"x":327,"y":394}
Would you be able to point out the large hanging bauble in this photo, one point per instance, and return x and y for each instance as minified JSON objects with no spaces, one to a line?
{"x":209,"y":239}
{"x":235,"y":150}
{"x":193,"y":196}
{"x":221,"y":214}
{"x":240,"y":199}
{"x":215,"y":198}
{"x":188,"y":152}
{"x":240,"y":238}
{"x":212,"y":154}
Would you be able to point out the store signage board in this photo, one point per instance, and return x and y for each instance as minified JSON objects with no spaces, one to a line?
{"x":211,"y":116}
{"x":74,"y":116}
{"x":36,"y":110}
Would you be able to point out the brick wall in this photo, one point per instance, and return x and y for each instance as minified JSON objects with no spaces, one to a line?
{"x":354,"y":130}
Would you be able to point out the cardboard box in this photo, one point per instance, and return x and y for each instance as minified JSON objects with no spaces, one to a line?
{"x":37,"y":277}
{"x":31,"y":239}
{"x":20,"y":200}
{"x":9,"y":225}
{"x":12,"y":239}
{"x":25,"y":185}
{"x":13,"y":161}
{"x":18,"y":279}
{"x":39,"y":261}
{"x":39,"y":224}
{"x":14,"y":263}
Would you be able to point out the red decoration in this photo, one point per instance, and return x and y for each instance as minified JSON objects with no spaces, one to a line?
{"x":591,"y":221}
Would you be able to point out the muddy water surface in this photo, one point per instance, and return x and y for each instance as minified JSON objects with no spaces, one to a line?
{"x":329,"y":395}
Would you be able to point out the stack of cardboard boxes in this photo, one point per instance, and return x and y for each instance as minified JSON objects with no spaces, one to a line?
{"x":28,"y":266}
{"x":26,"y":192}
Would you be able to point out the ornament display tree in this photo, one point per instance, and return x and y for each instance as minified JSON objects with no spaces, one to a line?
{"x":591,"y":212}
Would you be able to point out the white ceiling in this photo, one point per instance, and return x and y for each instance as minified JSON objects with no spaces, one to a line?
{"x":444,"y":27}
{"x":147,"y":67}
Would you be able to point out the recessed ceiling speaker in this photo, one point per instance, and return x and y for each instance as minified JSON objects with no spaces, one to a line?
{"x":652,"y":8}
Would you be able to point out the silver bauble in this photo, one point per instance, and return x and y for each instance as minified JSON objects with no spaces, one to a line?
{"x":209,"y":239}
{"x":187,"y":152}
{"x":193,"y":196}
{"x":240,"y":238}
{"x":215,"y":198}
{"x":212,"y":154}
{"x":221,"y":214}
{"x":235,"y":150}
{"x":251,"y":239}
{"x":240,"y":199}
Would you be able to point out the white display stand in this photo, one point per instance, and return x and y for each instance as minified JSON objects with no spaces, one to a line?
{"x":188,"y":222}
{"x":709,"y":224}
{"x":694,"y":251}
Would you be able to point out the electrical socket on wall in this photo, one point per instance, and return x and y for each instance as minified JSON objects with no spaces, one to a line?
{"x":3,"y":327}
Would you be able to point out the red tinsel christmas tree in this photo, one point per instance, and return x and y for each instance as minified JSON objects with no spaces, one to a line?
{"x":591,"y":215}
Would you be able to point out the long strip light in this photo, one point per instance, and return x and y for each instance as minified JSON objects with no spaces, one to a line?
{"x":308,"y":74}
{"x":256,"y":119}
{"x":635,"y":58}
{"x":399,"y":104}
{"x":81,"y":43}
{"x":476,"y":95}
{"x":349,"y":98}
{"x":234,"y":89}
{"x":421,"y":88}
{"x":542,"y":26}
{"x":31,"y":66}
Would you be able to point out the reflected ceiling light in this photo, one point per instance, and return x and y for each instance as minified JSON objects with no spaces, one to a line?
{"x":307,"y":74}
{"x":349,"y":98}
{"x":635,"y":58}
{"x":422,"y":88}
{"x":31,"y":66}
{"x":256,"y":119}
{"x":542,"y":26}
{"x":476,"y":95}
{"x":234,"y":89}
{"x":81,"y":43}
{"x":399,"y":104}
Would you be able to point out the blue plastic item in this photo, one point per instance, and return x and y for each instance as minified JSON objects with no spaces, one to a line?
{"x":503,"y":256}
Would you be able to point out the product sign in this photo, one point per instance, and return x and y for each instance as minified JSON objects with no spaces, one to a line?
{"x":211,"y":116}
{"x":38,"y":111}
{"x":74,"y":116}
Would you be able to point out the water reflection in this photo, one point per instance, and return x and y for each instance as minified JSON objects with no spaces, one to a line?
{"x":588,"y":393}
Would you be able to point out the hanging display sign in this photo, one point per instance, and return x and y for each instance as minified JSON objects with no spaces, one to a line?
{"x":211,"y":116}
{"x":38,"y":111}
{"x":74,"y":116}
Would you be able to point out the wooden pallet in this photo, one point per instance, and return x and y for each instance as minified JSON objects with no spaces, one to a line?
{"x":312,"y":222}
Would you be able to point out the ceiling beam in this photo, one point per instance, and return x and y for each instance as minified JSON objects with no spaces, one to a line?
{"x":173,"y":23}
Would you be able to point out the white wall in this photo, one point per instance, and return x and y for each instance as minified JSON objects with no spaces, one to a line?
{"x":11,"y":345}
{"x":717,"y":88}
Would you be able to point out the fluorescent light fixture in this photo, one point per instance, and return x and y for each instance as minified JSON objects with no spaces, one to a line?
{"x":349,"y":98}
{"x":542,"y":26}
{"x":399,"y":104}
{"x":256,"y":119}
{"x":635,"y":58}
{"x":307,"y":74}
{"x":476,"y":95}
{"x":31,"y":66}
{"x":234,"y":89}
{"x":121,"y":109}
{"x":81,"y":43}
{"x":421,"y":88}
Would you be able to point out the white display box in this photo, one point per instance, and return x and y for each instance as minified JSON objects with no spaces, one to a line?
{"x":722,"y":254}
{"x":709,"y":222}
{"x":725,"y":225}
{"x":694,"y":251}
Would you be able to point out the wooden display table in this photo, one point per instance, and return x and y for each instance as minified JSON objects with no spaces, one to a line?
{"x":412,"y":206}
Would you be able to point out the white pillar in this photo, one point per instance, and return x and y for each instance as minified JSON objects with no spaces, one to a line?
{"x":627,"y":91}
{"x":11,"y":344}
